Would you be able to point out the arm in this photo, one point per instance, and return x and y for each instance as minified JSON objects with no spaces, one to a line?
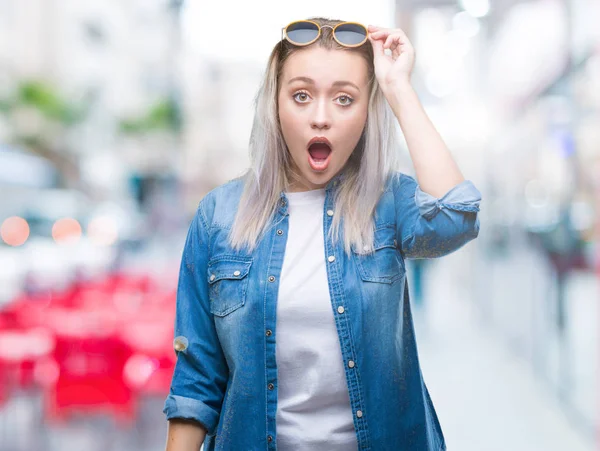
{"x":429,"y":227}
{"x":184,"y":435}
{"x":438,"y":214}
{"x":436,"y":170}
{"x":201,"y":372}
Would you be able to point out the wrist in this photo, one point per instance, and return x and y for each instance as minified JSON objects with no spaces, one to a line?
{"x":397,"y":92}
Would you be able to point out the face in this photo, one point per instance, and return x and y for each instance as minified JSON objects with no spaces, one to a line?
{"x":323,"y":97}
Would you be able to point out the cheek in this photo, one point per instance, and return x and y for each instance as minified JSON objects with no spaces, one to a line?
{"x":361,"y":116}
{"x":287,"y":118}
{"x":354,"y":126}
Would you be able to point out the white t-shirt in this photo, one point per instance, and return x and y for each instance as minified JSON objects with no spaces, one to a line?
{"x":313,"y":406}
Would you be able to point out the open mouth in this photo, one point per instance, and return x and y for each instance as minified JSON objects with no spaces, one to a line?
{"x":319,"y":155}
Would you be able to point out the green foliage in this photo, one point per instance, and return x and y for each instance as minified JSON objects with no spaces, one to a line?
{"x":44,"y":98}
{"x":163,"y":115}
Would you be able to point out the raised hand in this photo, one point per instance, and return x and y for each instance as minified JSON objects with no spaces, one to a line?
{"x":396,"y":68}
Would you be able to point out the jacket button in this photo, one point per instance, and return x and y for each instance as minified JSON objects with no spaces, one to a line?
{"x":180,"y":343}
{"x":269,"y":332}
{"x":212,"y":277}
{"x":271,"y":278}
{"x":340,"y":309}
{"x":237,"y":273}
{"x":269,"y":438}
{"x":271,"y":386}
{"x":359,"y":413}
{"x":351,"y":363}
{"x":331,"y":259}
{"x":329,"y":212}
{"x":280,"y":232}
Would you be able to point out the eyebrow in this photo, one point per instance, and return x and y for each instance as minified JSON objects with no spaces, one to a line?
{"x":335,"y":84}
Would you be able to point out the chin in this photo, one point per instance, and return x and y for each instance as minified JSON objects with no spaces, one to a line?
{"x":315,"y":181}
{"x":318,"y":178}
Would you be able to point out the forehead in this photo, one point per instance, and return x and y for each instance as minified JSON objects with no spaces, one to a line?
{"x":326,"y":66}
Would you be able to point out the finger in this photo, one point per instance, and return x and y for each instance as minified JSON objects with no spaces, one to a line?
{"x":386,"y":32}
{"x":381,"y":34}
{"x":380,"y":31}
{"x":377,"y":46}
{"x":391,"y":40}
{"x":402,"y":34}
{"x":397,"y":51}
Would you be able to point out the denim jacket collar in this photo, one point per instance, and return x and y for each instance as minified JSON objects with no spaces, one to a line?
{"x":282,"y":207}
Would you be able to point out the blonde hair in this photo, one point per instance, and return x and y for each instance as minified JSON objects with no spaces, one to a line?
{"x":373,"y":160}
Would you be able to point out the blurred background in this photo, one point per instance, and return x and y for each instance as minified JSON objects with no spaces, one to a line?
{"x":117,"y":116}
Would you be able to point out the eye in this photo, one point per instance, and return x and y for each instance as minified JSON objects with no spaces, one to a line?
{"x":301,"y":96}
{"x":345,"y":100}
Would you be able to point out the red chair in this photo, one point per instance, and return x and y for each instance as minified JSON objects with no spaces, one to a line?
{"x":150,"y":369}
{"x":93,"y":347}
{"x":90,"y":371}
{"x":20,"y":352}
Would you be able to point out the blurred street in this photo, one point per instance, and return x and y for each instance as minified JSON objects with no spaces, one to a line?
{"x":117,"y":117}
{"x":486,"y":395}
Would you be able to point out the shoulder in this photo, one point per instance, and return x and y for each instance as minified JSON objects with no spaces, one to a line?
{"x":402,"y":185}
{"x":219,"y":205}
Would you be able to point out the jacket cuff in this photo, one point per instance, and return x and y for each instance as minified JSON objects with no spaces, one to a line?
{"x":190,"y":408}
{"x":463,"y":197}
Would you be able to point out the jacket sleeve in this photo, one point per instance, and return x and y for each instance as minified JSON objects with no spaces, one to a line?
{"x":429,"y":227}
{"x":200,"y":376}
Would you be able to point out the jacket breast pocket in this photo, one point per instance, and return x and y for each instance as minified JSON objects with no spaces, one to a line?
{"x":227,"y":283}
{"x":383,"y":263}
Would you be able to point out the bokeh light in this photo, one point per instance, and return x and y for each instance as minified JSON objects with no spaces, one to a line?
{"x":102,"y":230}
{"x":66,"y":230}
{"x":14,"y":231}
{"x":476,"y":8}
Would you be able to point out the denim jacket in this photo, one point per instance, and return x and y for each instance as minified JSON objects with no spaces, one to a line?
{"x":226,"y":373}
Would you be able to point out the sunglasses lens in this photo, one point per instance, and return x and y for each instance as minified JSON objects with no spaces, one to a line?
{"x":302,"y":32}
{"x":351,"y":34}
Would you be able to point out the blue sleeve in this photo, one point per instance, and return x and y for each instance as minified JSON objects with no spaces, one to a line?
{"x":429,"y":227}
{"x":201,"y":373}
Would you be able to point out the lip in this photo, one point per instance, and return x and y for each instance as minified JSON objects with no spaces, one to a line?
{"x":319,"y":139}
{"x":320,"y":166}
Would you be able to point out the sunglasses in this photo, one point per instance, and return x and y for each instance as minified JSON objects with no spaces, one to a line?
{"x":305,"y":32}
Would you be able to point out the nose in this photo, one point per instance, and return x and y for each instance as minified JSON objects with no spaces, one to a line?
{"x":321,"y":119}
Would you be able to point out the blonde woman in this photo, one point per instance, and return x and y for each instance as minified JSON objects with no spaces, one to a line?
{"x":294,"y":329}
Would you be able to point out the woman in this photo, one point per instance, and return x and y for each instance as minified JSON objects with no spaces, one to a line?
{"x":293,"y":328}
